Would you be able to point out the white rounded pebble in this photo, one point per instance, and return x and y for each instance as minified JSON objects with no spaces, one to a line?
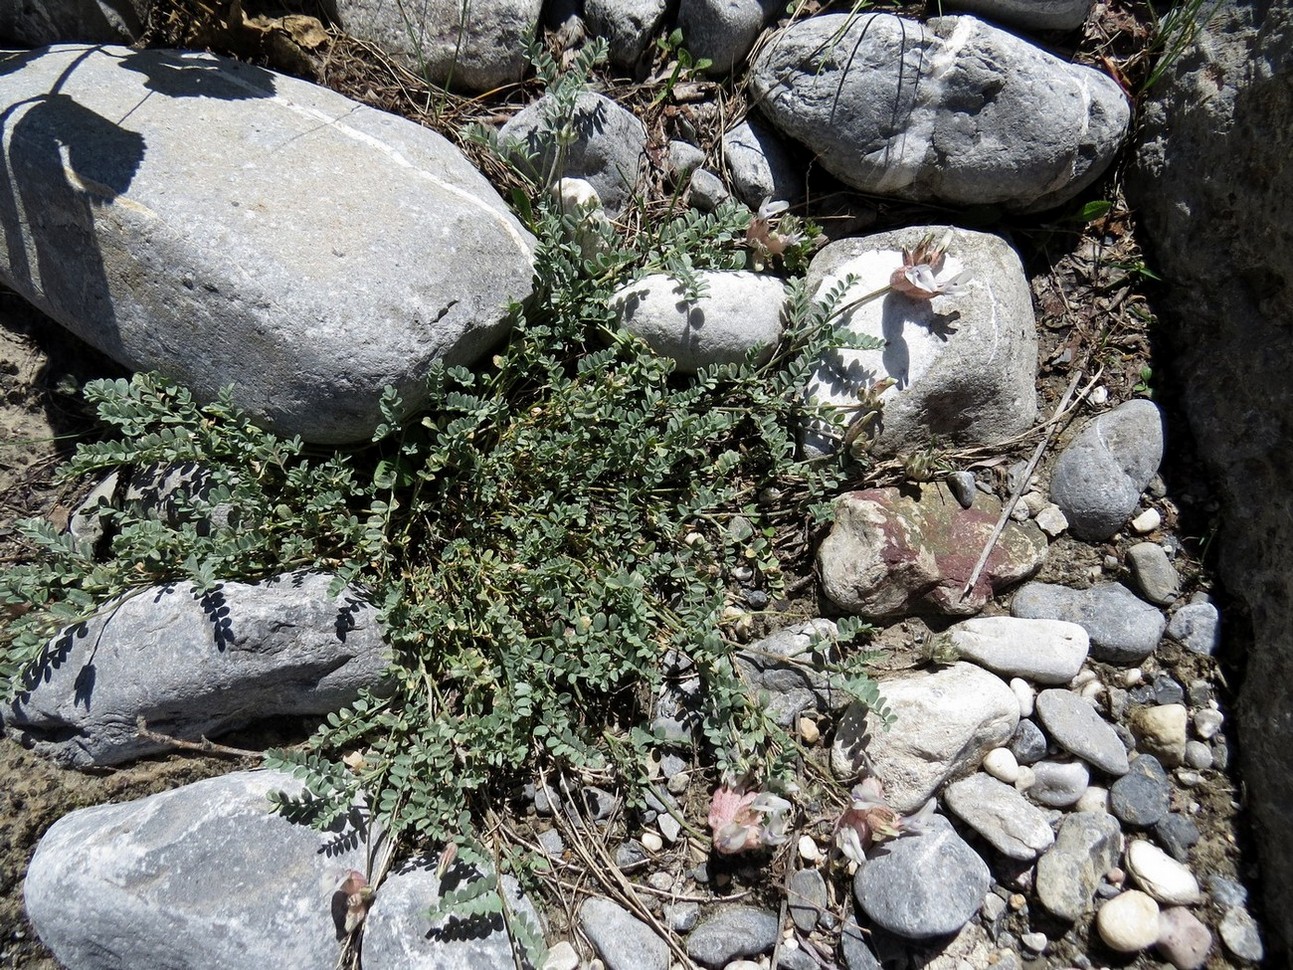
{"x":743,"y":965}
{"x":1198,"y":755}
{"x":1036,"y":942}
{"x":1188,"y":779}
{"x":808,"y":850}
{"x":1084,"y":676}
{"x":1147,"y":521}
{"x":1099,"y":395}
{"x":1090,"y":691}
{"x":651,"y":841}
{"x":1000,"y":763}
{"x":1207,"y":723}
{"x":1051,"y":520}
{"x":1128,"y":923}
{"x":562,"y":956}
{"x":1094,"y":799}
{"x":1025,"y":694}
{"x":1156,"y":872}
{"x":1027,"y":778}
{"x":1132,"y":676}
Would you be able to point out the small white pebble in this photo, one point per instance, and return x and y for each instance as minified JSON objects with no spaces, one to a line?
{"x":1024,"y":694}
{"x":1090,"y":691}
{"x":1207,"y":723}
{"x":1099,"y":395}
{"x":1036,"y":942}
{"x":1094,"y":799}
{"x":1035,"y":501}
{"x":1188,"y":779}
{"x":808,"y":850}
{"x":1129,"y":922}
{"x":1027,"y":778}
{"x":1000,"y":763}
{"x":651,"y":841}
{"x":1132,"y":676}
{"x":1147,"y":521}
{"x":562,"y":956}
{"x":1052,"y":520}
{"x":1084,"y":677}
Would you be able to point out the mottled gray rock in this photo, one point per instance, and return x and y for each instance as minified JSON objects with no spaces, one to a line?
{"x":243,"y":227}
{"x":159,"y":882}
{"x":1075,"y":726}
{"x":608,"y":149}
{"x":706,"y":191}
{"x":36,"y":24}
{"x":1240,"y":935}
{"x":399,"y":935}
{"x":1177,"y":834}
{"x":760,"y":166}
{"x":1195,"y":626}
{"x":682,"y":159}
{"x":943,"y":725}
{"x":807,"y":898}
{"x":787,"y":676}
{"x":893,"y":552}
{"x":1100,"y":476}
{"x":1124,"y":629}
{"x":195,"y":665}
{"x":1143,"y":796}
{"x":855,"y":949}
{"x":1087,"y":846}
{"x":474,"y":46}
{"x":1045,"y":651}
{"x":1058,"y":784}
{"x":723,"y":30}
{"x":1028,"y":743}
{"x":627,"y":25}
{"x":1029,"y":14}
{"x":895,"y":890}
{"x":730,"y":933}
{"x":953,"y":110}
{"x":1154,"y":573}
{"x":964,"y":365}
{"x":1006,"y":819}
{"x":1214,"y":185}
{"x":739,"y":313}
{"x":622,"y":940}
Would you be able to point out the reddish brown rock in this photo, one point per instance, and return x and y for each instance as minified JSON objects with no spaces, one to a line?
{"x":912,"y":550}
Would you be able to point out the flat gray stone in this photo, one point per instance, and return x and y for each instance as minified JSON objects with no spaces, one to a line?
{"x":1045,"y":651}
{"x":622,"y":940}
{"x":760,"y":165}
{"x":808,"y":898}
{"x":964,"y":366}
{"x":1154,"y":573}
{"x":1006,"y":819}
{"x":739,"y":313}
{"x":952,"y":110}
{"x":242,"y":227}
{"x":1077,"y":727}
{"x":473,"y":47}
{"x":731,"y":933}
{"x":787,"y":676}
{"x":1028,"y":744}
{"x":608,"y":149}
{"x":1098,"y":479}
{"x":202,"y":876}
{"x":1087,"y":846}
{"x":1123,"y":628}
{"x":943,"y":725}
{"x":1143,"y":796}
{"x":197,"y":665}
{"x":896,"y":891}
{"x":1059,"y":784}
{"x":398,"y":934}
{"x":627,"y":25}
{"x":723,"y":30}
{"x":1196,"y":627}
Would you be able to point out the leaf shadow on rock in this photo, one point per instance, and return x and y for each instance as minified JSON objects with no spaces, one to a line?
{"x":47,"y":222}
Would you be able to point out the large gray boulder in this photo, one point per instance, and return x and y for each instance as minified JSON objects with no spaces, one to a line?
{"x":195,"y":665}
{"x":951,"y":111}
{"x":1028,"y":14}
{"x":964,"y":366}
{"x":723,"y":31}
{"x":205,"y":876}
{"x":474,"y":46}
{"x":628,"y":26}
{"x":1213,"y":183}
{"x":228,"y":225}
{"x":39,"y":22}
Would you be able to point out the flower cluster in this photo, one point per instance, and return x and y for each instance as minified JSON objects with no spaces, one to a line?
{"x":769,"y":240}
{"x":918,"y":278}
{"x":742,"y":820}
{"x":869,"y":820}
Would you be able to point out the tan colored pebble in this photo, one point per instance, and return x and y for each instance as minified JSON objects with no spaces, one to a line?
{"x":1128,"y":923}
{"x":808,"y":730}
